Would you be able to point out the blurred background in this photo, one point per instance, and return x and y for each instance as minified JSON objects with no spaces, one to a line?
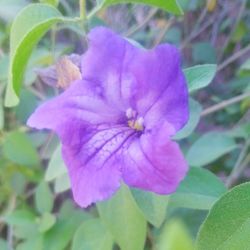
{"x":36,"y":205}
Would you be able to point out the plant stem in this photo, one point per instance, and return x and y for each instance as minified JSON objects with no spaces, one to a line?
{"x":239,"y":165}
{"x":224,"y":104}
{"x":234,"y":57}
{"x":82,"y":4}
{"x":133,"y":30}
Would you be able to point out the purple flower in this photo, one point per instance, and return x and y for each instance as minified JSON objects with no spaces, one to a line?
{"x":116,"y":123}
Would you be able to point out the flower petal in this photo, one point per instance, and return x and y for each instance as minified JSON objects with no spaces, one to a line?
{"x":162,"y":93}
{"x":149,"y":81}
{"x":80,"y":105}
{"x":154,"y":163}
{"x":94,"y":163}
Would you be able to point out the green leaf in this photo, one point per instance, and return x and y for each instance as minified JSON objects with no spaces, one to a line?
{"x":62,"y":183}
{"x":227,"y":226}
{"x":152,"y":205}
{"x":169,"y":5}
{"x":19,"y":149}
{"x":56,"y":167}
{"x":199,"y":190}
{"x":92,"y":235}
{"x":34,"y":243}
{"x":1,"y":115}
{"x":9,"y":8}
{"x":175,"y":236}
{"x":59,"y":236}
{"x":124,"y":220}
{"x":20,"y":217}
{"x":194,"y":118}
{"x":43,"y":198}
{"x":199,"y":76}
{"x":28,"y":28}
{"x":46,"y":222}
{"x":51,"y":2}
{"x":209,"y":147}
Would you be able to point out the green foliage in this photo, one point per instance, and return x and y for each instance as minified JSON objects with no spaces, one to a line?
{"x":56,"y":167}
{"x":194,"y":118}
{"x":199,"y":76}
{"x":175,"y":236}
{"x":228,"y":223}
{"x":9,"y":8}
{"x":124,"y":220}
{"x":43,"y":198}
{"x":170,"y":5}
{"x":199,"y":190}
{"x":210,"y":147}
{"x":153,"y":206}
{"x":18,"y":148}
{"x":93,"y":235}
{"x":27,"y":29}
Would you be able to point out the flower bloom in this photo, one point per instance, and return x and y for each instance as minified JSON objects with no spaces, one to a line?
{"x":116,"y":122}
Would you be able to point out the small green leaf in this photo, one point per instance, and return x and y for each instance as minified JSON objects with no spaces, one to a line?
{"x":56,"y":167}
{"x":27,"y":29}
{"x":43,"y":198}
{"x":92,"y":235}
{"x":175,"y":236}
{"x":227,"y":226}
{"x":194,"y":118}
{"x":209,"y":147}
{"x":199,"y":190}
{"x":18,"y":148}
{"x":124,"y":220}
{"x":199,"y":76}
{"x":152,"y":205}
{"x":46,"y":222}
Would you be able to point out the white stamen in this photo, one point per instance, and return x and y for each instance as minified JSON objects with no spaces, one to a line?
{"x":130,"y":113}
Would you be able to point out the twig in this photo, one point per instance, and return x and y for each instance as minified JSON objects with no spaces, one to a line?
{"x":239,"y":165}
{"x":164,"y":31}
{"x":36,"y":93}
{"x":196,"y":33}
{"x":237,"y":20}
{"x":224,"y":104}
{"x":234,"y":57}
{"x":133,"y":30}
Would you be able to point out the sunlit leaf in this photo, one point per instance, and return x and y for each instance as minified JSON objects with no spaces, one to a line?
{"x":175,"y":236}
{"x":227,"y":226}
{"x":169,"y":5}
{"x":27,"y":29}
